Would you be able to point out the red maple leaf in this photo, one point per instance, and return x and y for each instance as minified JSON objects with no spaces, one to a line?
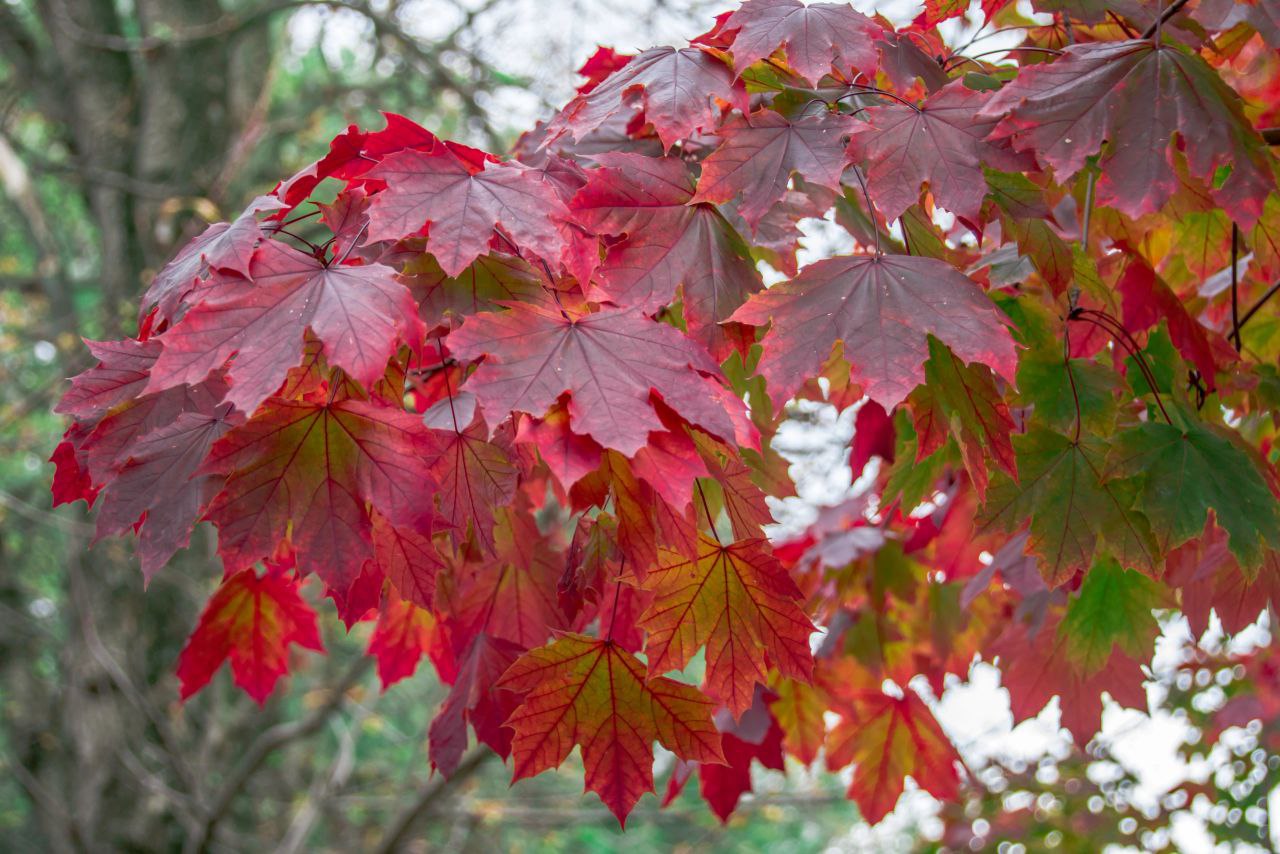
{"x":403,"y":633}
{"x":881,"y":309}
{"x":305,"y":473}
{"x":818,"y":38}
{"x":942,"y":143}
{"x":408,"y":558}
{"x":360,"y":314}
{"x":225,"y":247}
{"x":1036,"y":666}
{"x":762,"y":151}
{"x":464,"y":196}
{"x":474,"y":699}
{"x":588,"y":692}
{"x":251,"y":620}
{"x":888,"y":738}
{"x":160,"y":480}
{"x":667,"y":243}
{"x":609,"y":362}
{"x":676,"y":90}
{"x":1137,"y":94}
{"x":740,"y":604}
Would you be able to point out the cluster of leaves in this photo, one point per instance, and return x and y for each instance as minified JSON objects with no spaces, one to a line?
{"x":520,"y":410}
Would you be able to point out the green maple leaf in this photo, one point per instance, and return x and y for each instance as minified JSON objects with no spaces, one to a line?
{"x":1186,"y":471}
{"x":1072,"y":506}
{"x":1113,"y":608}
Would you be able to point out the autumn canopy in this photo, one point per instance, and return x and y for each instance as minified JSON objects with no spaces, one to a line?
{"x":518,"y":409}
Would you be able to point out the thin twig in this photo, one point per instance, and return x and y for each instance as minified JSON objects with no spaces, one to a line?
{"x":398,"y":834}
{"x":266,"y":744}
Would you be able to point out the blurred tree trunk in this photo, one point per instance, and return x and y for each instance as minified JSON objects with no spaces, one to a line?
{"x":154,"y":107}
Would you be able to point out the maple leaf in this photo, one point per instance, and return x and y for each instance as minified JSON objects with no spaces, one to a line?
{"x":1146,"y":300}
{"x":599,"y":66}
{"x":732,"y":486}
{"x":761,"y":152}
{"x":756,"y":737}
{"x":71,"y":479}
{"x":882,"y":310}
{"x":1112,"y":609}
{"x":353,"y":153}
{"x":608,"y":362}
{"x":120,"y":375}
{"x":483,"y":286}
{"x":359,"y":314}
{"x":888,"y":738}
{"x":407,"y":558}
{"x":1038,"y":665}
{"x":644,"y":520}
{"x":1137,"y":94}
{"x":668,"y":243}
{"x":739,"y":603}
{"x":962,"y":400}
{"x":512,"y":594}
{"x":942,"y":143}
{"x":816,"y":38}
{"x":475,"y":475}
{"x":305,"y":472}
{"x":253,"y":621}
{"x":1186,"y":472}
{"x":591,"y":693}
{"x":111,"y":441}
{"x":463,"y":198}
{"x":798,"y":709}
{"x":873,"y":436}
{"x":227,"y":247}
{"x":1073,"y":503}
{"x":569,"y":456}
{"x":1210,"y":580}
{"x":674,"y":88}
{"x":474,"y":699}
{"x":160,"y":479}
{"x":402,"y":635}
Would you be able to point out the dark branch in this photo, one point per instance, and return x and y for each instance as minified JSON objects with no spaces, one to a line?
{"x":398,"y":834}
{"x":266,"y":744}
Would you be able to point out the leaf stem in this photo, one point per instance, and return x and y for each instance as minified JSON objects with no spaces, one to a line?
{"x":706,"y":508}
{"x":1123,"y":24}
{"x":1235,"y":285}
{"x":352,"y":245}
{"x":1066,"y":363}
{"x":1052,"y":51}
{"x":1088,"y":212}
{"x":299,"y":218}
{"x":875,"y":90}
{"x":617,"y":589}
{"x":1157,"y":26}
{"x":871,"y":211}
{"x":313,"y":247}
{"x":1109,"y":324}
{"x":448,"y":389}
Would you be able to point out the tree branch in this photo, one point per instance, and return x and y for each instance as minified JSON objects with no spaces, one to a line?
{"x":270,"y":741}
{"x":398,"y":834}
